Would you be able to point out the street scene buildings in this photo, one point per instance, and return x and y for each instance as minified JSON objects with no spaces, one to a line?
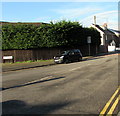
{"x":60,"y":58}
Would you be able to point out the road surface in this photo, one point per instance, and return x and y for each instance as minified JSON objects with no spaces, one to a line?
{"x":87,"y":87}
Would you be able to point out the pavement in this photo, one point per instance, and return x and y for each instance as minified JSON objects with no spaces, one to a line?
{"x":20,"y":66}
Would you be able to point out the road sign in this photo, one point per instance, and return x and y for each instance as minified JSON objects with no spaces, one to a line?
{"x":89,"y":42}
{"x":89,"y":39}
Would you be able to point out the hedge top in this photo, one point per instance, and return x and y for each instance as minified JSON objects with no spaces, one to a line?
{"x":63,"y":33}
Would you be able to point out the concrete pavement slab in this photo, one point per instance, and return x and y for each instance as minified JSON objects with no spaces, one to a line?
{"x":18,"y":66}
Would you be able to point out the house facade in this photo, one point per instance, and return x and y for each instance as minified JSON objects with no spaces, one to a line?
{"x":109,"y":37}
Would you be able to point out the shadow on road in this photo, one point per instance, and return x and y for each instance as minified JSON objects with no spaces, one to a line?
{"x":31,"y":83}
{"x":14,"y":107}
{"x":17,"y":107}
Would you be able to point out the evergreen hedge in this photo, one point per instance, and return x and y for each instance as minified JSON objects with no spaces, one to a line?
{"x":63,"y":33}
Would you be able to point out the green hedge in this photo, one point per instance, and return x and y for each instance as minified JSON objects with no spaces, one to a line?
{"x":63,"y":33}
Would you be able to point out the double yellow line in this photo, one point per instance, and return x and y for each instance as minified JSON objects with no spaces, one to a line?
{"x":110,"y":112}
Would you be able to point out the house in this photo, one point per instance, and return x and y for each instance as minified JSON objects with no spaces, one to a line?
{"x":109,"y":37}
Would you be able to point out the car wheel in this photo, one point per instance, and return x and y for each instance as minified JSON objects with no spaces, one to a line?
{"x":80,"y":59}
{"x":66,"y":61}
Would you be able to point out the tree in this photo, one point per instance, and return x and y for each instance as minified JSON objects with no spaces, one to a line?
{"x":62,"y":33}
{"x":20,"y":36}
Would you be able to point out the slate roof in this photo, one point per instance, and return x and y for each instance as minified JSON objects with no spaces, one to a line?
{"x":112,"y":31}
{"x":97,"y":26}
{"x":115,"y":31}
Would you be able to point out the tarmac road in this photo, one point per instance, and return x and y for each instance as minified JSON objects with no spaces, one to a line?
{"x":75,"y":88}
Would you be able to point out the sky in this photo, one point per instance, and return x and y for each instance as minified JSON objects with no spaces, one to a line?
{"x":83,"y":12}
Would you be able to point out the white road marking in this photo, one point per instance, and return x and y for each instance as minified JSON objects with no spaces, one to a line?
{"x":70,"y":70}
{"x":75,"y":69}
{"x":44,"y":78}
{"x":51,"y":77}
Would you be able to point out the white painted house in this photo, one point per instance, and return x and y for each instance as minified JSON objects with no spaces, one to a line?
{"x":110,"y":39}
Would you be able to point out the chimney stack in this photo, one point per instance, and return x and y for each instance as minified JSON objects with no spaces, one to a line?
{"x":105,"y":25}
{"x":95,"y":20}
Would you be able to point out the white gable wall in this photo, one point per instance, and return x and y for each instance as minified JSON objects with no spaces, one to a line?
{"x":101,"y":34}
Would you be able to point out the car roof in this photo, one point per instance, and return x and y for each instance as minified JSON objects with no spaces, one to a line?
{"x":74,"y":50}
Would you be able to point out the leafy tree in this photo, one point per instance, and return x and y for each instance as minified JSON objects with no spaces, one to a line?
{"x":62,"y":33}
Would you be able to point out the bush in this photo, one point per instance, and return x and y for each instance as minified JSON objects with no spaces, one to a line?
{"x":63,"y":33}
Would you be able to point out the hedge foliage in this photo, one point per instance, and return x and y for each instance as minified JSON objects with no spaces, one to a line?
{"x":63,"y":33}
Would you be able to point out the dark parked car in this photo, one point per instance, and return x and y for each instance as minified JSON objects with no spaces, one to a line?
{"x":68,"y":56}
